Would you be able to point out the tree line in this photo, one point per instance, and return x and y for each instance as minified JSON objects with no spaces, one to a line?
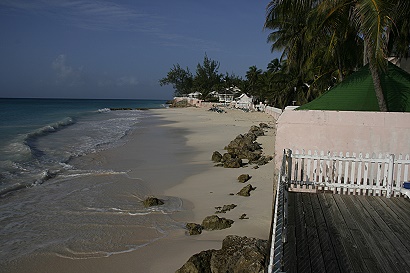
{"x":321,"y":42}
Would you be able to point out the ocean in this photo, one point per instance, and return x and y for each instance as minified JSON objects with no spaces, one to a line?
{"x":55,"y":198}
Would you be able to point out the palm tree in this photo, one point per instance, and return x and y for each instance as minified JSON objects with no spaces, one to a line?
{"x":252,"y":75}
{"x":316,"y":35}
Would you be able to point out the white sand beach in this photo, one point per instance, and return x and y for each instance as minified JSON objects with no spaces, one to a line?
{"x":200,"y":185}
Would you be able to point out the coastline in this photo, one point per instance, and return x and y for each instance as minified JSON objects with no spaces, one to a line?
{"x":196,"y":133}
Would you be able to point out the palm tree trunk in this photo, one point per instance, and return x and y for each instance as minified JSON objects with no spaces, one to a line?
{"x":376,"y":79}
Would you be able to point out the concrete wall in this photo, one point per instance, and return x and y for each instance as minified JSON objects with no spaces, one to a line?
{"x":335,"y":131}
{"x":274,"y":112}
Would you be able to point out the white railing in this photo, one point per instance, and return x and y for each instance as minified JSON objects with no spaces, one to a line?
{"x":361,"y":174}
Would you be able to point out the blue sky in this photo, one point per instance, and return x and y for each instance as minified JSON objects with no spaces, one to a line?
{"x":120,"y":49}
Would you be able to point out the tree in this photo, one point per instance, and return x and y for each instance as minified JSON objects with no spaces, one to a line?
{"x":274,"y":65}
{"x":180,"y":79}
{"x":323,"y":40}
{"x":252,"y":76}
{"x":207,"y":78}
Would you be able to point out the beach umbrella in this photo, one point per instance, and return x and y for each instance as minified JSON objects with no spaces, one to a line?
{"x":356,"y":92}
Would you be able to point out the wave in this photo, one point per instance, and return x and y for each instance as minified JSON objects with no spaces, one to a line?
{"x":42,"y":177}
{"x":50,"y":128}
{"x":104,"y":110}
{"x":22,"y":148}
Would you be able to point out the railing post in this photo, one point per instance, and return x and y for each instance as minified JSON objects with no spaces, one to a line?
{"x":289,"y":168}
{"x":390,"y":176}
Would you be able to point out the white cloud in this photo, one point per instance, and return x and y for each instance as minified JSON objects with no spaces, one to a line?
{"x":127,"y":80}
{"x":65,"y":73}
{"x":87,"y":14}
{"x":103,"y":15}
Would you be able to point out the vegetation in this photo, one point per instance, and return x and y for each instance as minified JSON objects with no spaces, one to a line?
{"x":206,"y":79}
{"x":321,"y":43}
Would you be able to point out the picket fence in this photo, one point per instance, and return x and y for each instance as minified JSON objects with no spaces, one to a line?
{"x":361,"y":174}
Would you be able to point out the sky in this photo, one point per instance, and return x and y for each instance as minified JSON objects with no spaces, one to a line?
{"x":121,"y":49}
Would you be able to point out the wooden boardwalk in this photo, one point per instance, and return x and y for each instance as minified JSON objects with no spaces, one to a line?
{"x":347,"y":233}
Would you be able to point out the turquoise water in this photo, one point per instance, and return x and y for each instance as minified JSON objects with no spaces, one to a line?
{"x":37,"y":135}
{"x":56,"y":199}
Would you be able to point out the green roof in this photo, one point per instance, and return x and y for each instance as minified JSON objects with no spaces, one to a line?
{"x":356,"y":92}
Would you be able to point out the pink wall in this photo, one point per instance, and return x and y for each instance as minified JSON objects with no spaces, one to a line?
{"x":334,"y":131}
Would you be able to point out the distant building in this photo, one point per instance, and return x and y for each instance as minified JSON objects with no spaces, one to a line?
{"x":228,"y":95}
{"x":195,"y":95}
{"x":243,"y":101}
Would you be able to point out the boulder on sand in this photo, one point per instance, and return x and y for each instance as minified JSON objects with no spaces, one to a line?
{"x":243,"y":178}
{"x":213,"y":222}
{"x":194,"y":228}
{"x":216,"y":156}
{"x":152,"y":201}
{"x":238,"y":254}
{"x":245,"y":191}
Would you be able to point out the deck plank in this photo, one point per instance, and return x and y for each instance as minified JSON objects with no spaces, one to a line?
{"x":328,"y":252}
{"x":315,"y":250}
{"x":399,"y":225}
{"x":386,"y":224}
{"x":289,"y":252}
{"x":396,"y":205}
{"x":347,"y":233}
{"x":376,"y":243}
{"x":302,"y":248}
{"x":342,"y":240}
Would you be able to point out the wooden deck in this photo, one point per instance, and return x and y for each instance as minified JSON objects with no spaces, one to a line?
{"x":347,"y":233}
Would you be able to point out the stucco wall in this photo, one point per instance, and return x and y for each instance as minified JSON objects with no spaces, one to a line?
{"x":335,"y":131}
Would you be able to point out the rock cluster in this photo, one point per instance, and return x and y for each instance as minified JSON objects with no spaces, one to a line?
{"x":238,"y":254}
{"x":152,"y":201}
{"x":243,"y":147}
{"x":214,"y":222}
{"x":225,"y":208}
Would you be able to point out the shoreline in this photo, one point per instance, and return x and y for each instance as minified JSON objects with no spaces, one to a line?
{"x":195,"y":134}
{"x":212,"y":132}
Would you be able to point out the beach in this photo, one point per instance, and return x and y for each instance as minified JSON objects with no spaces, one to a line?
{"x":176,"y":160}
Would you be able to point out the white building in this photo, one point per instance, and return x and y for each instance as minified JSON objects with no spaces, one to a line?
{"x":244,"y":101}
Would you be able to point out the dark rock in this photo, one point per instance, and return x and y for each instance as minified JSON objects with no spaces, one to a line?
{"x":152,"y":201}
{"x":213,"y":222}
{"x":194,"y":229}
{"x":243,"y":216}
{"x":225,"y":208}
{"x":227,"y":157}
{"x":238,"y":254}
{"x":243,"y":178}
{"x":198,"y":263}
{"x":263,"y":125}
{"x":245,"y":191}
{"x":263,"y":160}
{"x":253,"y":156}
{"x":256,"y":167}
{"x":216,"y":156}
{"x":243,"y":146}
{"x":258,"y":131}
{"x":120,"y":109}
{"x":233,"y":163}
